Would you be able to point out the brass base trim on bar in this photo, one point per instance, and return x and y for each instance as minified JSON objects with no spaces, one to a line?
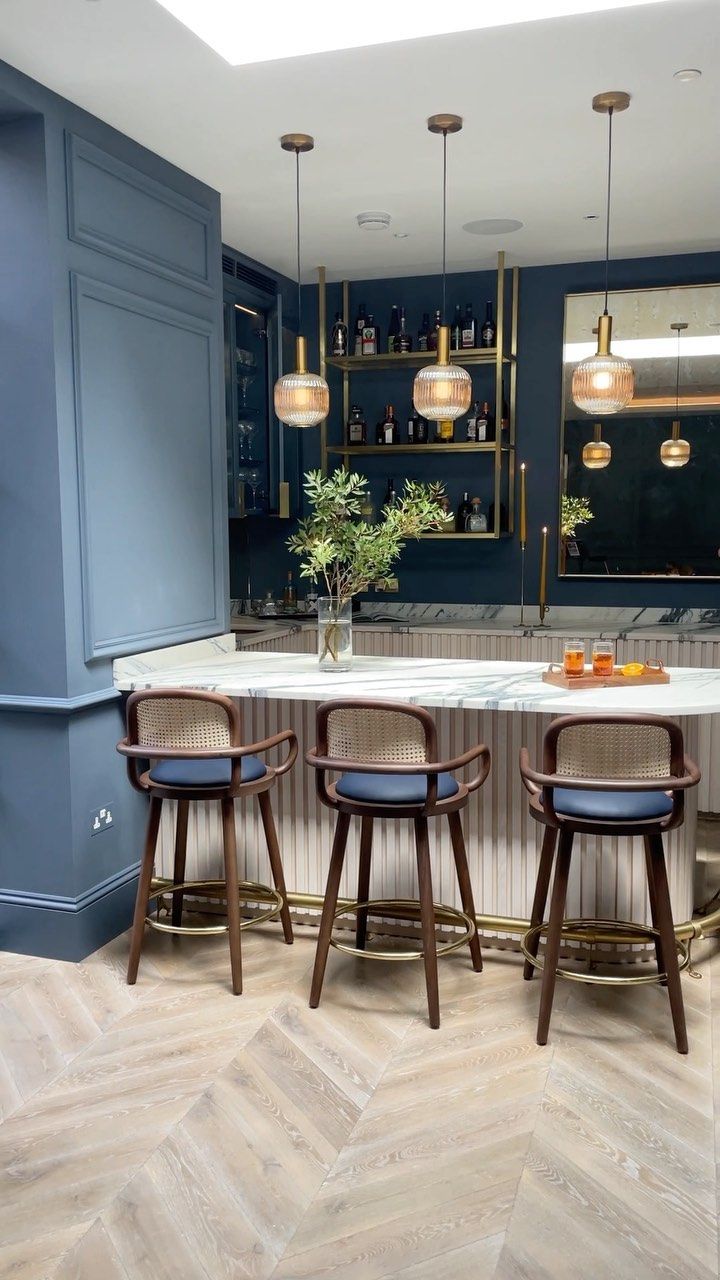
{"x":248,"y":891}
{"x":404,"y":909}
{"x":642,"y":932}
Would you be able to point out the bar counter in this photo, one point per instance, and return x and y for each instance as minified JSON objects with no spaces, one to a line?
{"x":503,"y":703}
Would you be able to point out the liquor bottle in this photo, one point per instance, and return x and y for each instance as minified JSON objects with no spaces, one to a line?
{"x":339,"y":337}
{"x":403,"y":341}
{"x":468,"y":329}
{"x":471,"y":430}
{"x":290,"y":594}
{"x":412,"y":425}
{"x":387,"y":428}
{"x":367,"y":509}
{"x":424,"y":332}
{"x":445,"y":431}
{"x":393,"y":328}
{"x":485,"y":424}
{"x":433,"y":334}
{"x":505,"y":417}
{"x":391,"y":497}
{"x":456,"y":330}
{"x":446,"y":517}
{"x":359,"y":326}
{"x":356,"y":426}
{"x":422,"y":431}
{"x":461,"y":514}
{"x":488,"y":333}
{"x":476,"y":520}
{"x":370,"y":337}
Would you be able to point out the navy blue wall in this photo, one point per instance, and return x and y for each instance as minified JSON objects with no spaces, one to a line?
{"x":487,"y":572}
{"x":113,"y":490}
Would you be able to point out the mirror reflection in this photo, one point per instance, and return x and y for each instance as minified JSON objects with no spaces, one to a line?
{"x":639,"y":489}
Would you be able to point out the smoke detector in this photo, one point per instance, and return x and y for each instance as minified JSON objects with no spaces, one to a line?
{"x":373,"y":220}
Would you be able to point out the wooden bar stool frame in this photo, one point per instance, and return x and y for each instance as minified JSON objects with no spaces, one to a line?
{"x":139,"y":752}
{"x":323,"y":763}
{"x":561,"y":830}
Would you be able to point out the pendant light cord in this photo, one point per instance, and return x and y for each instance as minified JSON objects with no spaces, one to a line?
{"x":607,"y":210}
{"x":297,"y":210}
{"x":677,"y":379}
{"x":444,"y":220}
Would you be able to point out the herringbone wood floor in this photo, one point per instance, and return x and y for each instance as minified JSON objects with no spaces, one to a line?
{"x":173,"y":1132}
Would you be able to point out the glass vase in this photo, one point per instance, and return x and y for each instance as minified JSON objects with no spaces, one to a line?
{"x":334,"y":633}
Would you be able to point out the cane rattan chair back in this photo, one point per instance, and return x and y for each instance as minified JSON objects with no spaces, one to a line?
{"x":377,"y":735}
{"x":618,"y":749}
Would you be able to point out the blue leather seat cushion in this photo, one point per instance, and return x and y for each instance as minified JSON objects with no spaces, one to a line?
{"x":611,"y":806}
{"x":204,"y":773}
{"x":393,"y":788}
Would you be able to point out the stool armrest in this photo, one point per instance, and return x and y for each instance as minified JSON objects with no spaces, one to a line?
{"x":480,"y":752}
{"x":429,"y":768}
{"x":148,"y":752}
{"x":267,"y":744}
{"x":535,"y":781}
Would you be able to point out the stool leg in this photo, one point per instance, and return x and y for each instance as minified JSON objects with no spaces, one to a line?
{"x":667,"y":938}
{"x":552,"y":946}
{"x":366,"y":835}
{"x":463,"y":875}
{"x":276,"y":865}
{"x":427,"y":920}
{"x":231,"y":885}
{"x":653,"y":906}
{"x":181,"y":827}
{"x":143,"y":889}
{"x":542,"y":885}
{"x":328,"y":912}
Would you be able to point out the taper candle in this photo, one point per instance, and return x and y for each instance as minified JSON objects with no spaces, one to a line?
{"x":523,"y":507}
{"x":542,"y":595}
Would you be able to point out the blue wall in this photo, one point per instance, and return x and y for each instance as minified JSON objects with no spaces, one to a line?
{"x":488,"y":572}
{"x":113,"y":490}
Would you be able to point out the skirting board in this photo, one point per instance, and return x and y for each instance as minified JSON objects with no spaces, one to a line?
{"x":67,"y":928}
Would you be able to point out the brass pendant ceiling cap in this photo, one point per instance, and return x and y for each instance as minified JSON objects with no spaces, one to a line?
{"x":679,"y":325}
{"x":445,"y":123}
{"x":297,"y":142}
{"x":611,"y":100}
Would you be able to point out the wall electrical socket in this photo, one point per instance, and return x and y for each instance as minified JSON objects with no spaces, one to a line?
{"x":101,"y":820}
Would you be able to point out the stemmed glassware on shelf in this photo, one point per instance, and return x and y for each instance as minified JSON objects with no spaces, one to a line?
{"x":254,"y":477}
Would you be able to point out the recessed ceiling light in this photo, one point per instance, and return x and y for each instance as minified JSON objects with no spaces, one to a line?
{"x":401,"y":235}
{"x":686,"y":74}
{"x":590,"y":217}
{"x":264,"y":33}
{"x":373,"y":220}
{"x":492,"y":226}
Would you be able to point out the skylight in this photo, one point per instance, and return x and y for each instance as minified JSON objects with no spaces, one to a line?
{"x":246,"y":33}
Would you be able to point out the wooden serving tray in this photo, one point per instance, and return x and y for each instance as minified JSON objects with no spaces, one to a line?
{"x":653,"y":673}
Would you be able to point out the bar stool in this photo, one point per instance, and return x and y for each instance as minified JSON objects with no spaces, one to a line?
{"x":387,"y":755}
{"x":193,"y":742}
{"x":618,"y":775}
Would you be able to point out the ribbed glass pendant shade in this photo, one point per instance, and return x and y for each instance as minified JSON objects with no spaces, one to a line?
{"x":596,"y":453}
{"x":675,"y":452}
{"x":603,"y":383}
{"x":442,"y":390}
{"x":302,"y":399}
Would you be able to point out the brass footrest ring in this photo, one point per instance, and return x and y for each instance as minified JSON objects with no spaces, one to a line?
{"x":405,"y":909}
{"x":643,"y":932}
{"x":248,"y":891}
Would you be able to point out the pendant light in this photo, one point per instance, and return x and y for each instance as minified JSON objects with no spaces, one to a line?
{"x":604,"y":383}
{"x":442,"y":390}
{"x":302,"y":399}
{"x":597,"y":452}
{"x":675,"y":452}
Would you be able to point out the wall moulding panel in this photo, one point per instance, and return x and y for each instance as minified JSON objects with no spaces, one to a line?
{"x":146,"y":410}
{"x":116,"y":209}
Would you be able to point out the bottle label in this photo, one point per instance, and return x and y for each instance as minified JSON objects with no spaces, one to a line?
{"x":472,"y":430}
{"x":468,"y":336}
{"x":422,"y":342}
{"x":411,"y":430}
{"x":356,"y":433}
{"x":481,"y":427}
{"x":369,"y":341}
{"x":387,"y":433}
{"x":488,"y":335}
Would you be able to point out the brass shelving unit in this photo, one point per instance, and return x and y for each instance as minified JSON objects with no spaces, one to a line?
{"x":503,"y":357}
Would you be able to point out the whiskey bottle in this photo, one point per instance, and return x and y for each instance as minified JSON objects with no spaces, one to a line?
{"x":462,"y":513}
{"x":367,"y":509}
{"x":469,"y":329}
{"x":391,"y":497}
{"x":471,"y":429}
{"x":476,"y":520}
{"x":359,"y":326}
{"x":289,"y":597}
{"x":356,"y":426}
{"x":424,"y":332}
{"x":387,"y":428}
{"x":421,"y":431}
{"x":488,"y":333}
{"x":433,"y":335}
{"x":412,"y":428}
{"x":393,"y":329}
{"x":370,"y":337}
{"x":456,"y":330}
{"x":485,"y":424}
{"x":445,"y":431}
{"x":339,"y":337}
{"x":403,"y":341}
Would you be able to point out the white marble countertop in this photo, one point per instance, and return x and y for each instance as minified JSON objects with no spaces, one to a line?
{"x":430,"y":682}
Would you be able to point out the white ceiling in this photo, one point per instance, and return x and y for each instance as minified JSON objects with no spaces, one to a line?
{"x":531,"y":148}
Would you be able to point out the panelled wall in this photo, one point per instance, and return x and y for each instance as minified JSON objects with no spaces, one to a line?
{"x":113,"y":493}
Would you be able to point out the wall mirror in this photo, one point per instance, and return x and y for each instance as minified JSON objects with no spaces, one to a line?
{"x":648,"y":518}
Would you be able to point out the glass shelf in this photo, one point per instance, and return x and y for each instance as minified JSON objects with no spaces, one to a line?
{"x":413,"y":359}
